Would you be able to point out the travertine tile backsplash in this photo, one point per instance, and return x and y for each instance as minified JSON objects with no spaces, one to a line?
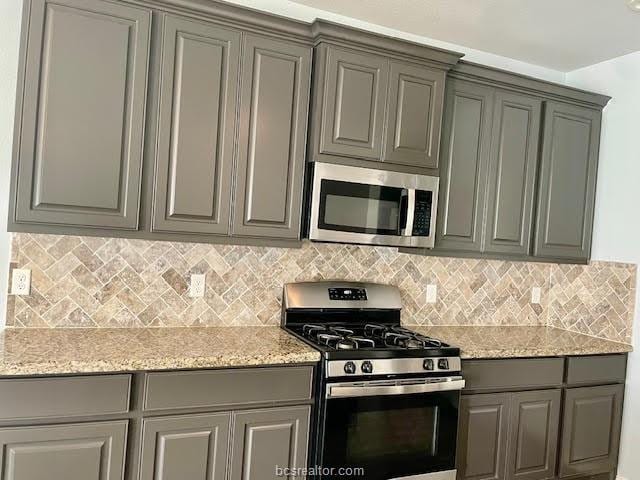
{"x":102,"y":282}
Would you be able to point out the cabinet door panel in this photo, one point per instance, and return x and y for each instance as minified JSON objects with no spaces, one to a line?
{"x":88,"y":451}
{"x":591,"y":430}
{"x":266,"y":439}
{"x":186,"y":447}
{"x":416,"y":96}
{"x":482,"y":436}
{"x":512,"y":173}
{"x":567,"y":182}
{"x":353,"y":111}
{"x":464,"y":163}
{"x":196,"y":127}
{"x":80,"y":151}
{"x":533,"y":437}
{"x":271,"y":156}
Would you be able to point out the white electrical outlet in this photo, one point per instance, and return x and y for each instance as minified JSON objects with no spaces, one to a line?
{"x":198,"y":285}
{"x":536,"y":294}
{"x":432,"y":293}
{"x":21,"y":282}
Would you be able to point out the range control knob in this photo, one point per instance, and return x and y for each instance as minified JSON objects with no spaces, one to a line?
{"x":443,"y":364}
{"x":349,"y":367}
{"x":367,"y":367}
{"x":428,"y":364}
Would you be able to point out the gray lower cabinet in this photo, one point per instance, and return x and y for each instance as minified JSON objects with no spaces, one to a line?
{"x":591,"y":430}
{"x":78,"y":156}
{"x":186,"y":447}
{"x":196,"y":129}
{"x":274,"y":106}
{"x":568,"y":172}
{"x":267,"y":440}
{"x":83,"y":451}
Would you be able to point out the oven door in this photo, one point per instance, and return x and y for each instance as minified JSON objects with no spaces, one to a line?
{"x":396,"y":429}
{"x":362,"y":205}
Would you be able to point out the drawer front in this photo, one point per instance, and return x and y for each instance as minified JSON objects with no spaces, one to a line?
{"x":213,"y":388}
{"x":64,"y":396}
{"x":512,"y":373}
{"x":596,"y":370}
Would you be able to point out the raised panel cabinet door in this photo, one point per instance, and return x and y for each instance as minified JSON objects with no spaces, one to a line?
{"x":355,"y":94}
{"x":482,"y":436}
{"x":82,"y":117}
{"x":567,"y":182}
{"x":464,"y":159}
{"x":187,"y":447}
{"x":414,"y":115}
{"x":196,"y":130}
{"x":533,"y":436}
{"x":591,"y":430}
{"x":268,"y":442}
{"x":512,"y":173}
{"x":83,"y":451}
{"x":274,"y":104}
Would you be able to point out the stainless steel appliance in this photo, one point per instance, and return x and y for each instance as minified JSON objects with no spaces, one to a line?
{"x":369,"y":206}
{"x":387,"y":397}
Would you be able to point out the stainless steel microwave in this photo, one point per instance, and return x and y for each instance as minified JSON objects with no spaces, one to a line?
{"x":370,"y":206}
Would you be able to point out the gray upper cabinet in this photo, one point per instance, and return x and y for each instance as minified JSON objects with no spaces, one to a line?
{"x":185,"y":447}
{"x":196,"y":129}
{"x":416,"y":96}
{"x":353,"y":110}
{"x":269,"y":438}
{"x":591,"y":430}
{"x":567,"y":182}
{"x":274,"y":105}
{"x":512,"y":173}
{"x":464,"y":166}
{"x":81,"y":120}
{"x":80,"y":451}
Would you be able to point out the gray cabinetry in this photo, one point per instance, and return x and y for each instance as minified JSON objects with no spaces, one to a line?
{"x":354,"y":103}
{"x":464,"y":165}
{"x":196,"y":130}
{"x":414,"y":115}
{"x":185,"y":447}
{"x":567,"y":181}
{"x":591,"y":430}
{"x":274,"y":105}
{"x":78,"y":155}
{"x":265,"y":440}
{"x":71,"y":452}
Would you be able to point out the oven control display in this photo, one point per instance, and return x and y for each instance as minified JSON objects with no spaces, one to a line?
{"x":347,"y":294}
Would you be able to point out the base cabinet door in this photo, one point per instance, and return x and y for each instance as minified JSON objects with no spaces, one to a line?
{"x":566,"y":194}
{"x":79,"y":155}
{"x":533,"y":435}
{"x":88,"y":451}
{"x":267,"y":442}
{"x":188,"y":447}
{"x":591,"y":430}
{"x":482,"y":436}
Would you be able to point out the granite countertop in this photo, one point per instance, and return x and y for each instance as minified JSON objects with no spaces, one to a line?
{"x":58,"y":351}
{"x":509,"y":342}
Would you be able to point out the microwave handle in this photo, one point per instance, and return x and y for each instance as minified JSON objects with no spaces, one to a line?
{"x":408,"y":202}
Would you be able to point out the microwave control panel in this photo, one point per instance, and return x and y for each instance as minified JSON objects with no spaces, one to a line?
{"x":422,"y":216}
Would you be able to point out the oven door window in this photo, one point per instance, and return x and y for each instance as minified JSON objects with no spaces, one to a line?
{"x":392,"y":436}
{"x":361,"y":208}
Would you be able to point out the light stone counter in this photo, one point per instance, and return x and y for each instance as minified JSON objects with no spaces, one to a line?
{"x":50,"y":351}
{"x":512,"y":342}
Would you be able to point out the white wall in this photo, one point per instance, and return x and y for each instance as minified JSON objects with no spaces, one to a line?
{"x":617,"y":220}
{"x":10,"y":15}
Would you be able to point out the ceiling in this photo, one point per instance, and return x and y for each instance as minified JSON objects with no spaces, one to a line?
{"x":559,"y":34}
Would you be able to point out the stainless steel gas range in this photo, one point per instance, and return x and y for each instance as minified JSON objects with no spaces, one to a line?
{"x":387,"y":398}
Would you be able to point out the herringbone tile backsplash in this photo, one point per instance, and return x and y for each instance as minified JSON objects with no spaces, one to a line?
{"x":102,"y":282}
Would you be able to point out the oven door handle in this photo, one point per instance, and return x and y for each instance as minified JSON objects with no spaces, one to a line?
{"x":364,"y":390}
